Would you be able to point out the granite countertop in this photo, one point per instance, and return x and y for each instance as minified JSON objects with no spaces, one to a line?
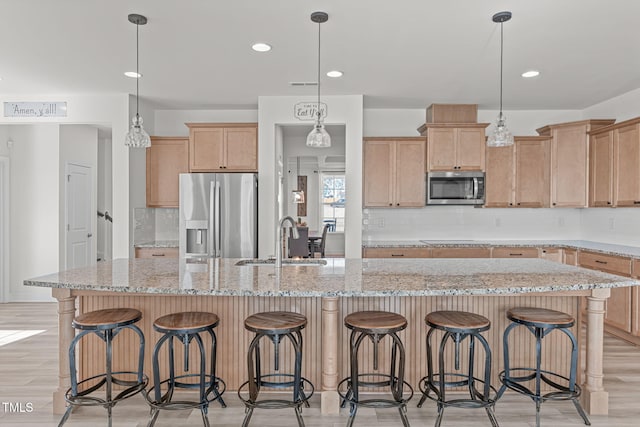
{"x":157,"y":244}
{"x":605,"y":248}
{"x":338,"y":277}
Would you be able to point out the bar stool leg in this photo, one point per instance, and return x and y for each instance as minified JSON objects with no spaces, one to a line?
{"x":213,"y":387}
{"x":397,"y":379}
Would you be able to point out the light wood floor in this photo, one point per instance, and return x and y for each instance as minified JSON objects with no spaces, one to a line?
{"x":28,"y":375}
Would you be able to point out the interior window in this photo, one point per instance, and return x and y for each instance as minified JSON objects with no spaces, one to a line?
{"x":333,"y":201}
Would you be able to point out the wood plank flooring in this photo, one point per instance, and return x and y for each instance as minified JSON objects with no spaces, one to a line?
{"x":28,"y":374}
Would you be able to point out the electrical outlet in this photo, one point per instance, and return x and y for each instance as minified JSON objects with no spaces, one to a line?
{"x":365,"y":221}
{"x":381,"y":223}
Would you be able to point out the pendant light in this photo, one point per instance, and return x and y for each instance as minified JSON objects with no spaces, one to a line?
{"x":297,"y":196}
{"x":137,"y":137}
{"x":319,"y":137}
{"x":501,"y":136}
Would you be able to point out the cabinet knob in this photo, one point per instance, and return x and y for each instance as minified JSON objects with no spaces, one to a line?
{"x":518,"y":204}
{"x":397,"y":204}
{"x":390,"y":204}
{"x":554,"y":204}
{"x":608,"y":203}
{"x":510,"y":204}
{"x":636,"y":202}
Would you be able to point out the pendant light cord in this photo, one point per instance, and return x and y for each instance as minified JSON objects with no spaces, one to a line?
{"x":318,"y":112}
{"x":501,"y":55}
{"x":137,"y":69}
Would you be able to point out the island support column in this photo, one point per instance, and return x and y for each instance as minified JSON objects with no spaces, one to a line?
{"x":330,"y":401}
{"x":595,"y":399}
{"x":66,"y":311}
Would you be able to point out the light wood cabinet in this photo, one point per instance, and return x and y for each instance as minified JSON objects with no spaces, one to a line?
{"x":223,"y":147}
{"x":156,"y":253}
{"x":461,"y":252}
{"x":570,"y":256}
{"x":626,"y":166}
{"x":569,"y":152}
{"x":514,"y":252}
{"x":455,"y":146}
{"x":601,"y":170}
{"x":393,"y":172}
{"x":396,"y":253}
{"x":167,"y":158}
{"x":518,"y":176}
{"x":552,"y":254}
{"x":619,"y":305}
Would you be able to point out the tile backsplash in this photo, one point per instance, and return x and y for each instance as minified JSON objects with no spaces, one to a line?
{"x":153,"y":224}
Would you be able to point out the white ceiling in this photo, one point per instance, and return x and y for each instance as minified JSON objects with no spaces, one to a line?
{"x":196,"y":54}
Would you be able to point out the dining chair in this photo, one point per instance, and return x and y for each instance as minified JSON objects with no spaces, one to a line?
{"x":318,"y":245}
{"x":299,"y":247}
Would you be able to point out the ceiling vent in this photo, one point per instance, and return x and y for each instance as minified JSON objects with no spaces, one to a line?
{"x":303,"y":83}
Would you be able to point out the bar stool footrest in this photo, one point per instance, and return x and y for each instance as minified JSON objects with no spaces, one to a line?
{"x":277,"y":403}
{"x":386,"y":380}
{"x":213,"y":393}
{"x":432,"y":392}
{"x":81,"y":399}
{"x":561,"y":392}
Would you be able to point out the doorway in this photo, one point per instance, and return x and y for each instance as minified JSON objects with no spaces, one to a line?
{"x":4,"y":229}
{"x":79,"y":234}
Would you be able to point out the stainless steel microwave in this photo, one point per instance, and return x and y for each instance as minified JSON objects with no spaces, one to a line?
{"x":455,"y":188}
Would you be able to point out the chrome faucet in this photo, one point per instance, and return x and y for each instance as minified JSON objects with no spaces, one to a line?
{"x":279,"y":241}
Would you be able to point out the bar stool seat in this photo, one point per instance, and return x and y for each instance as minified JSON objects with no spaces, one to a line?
{"x":186,"y":327}
{"x":376,"y":325}
{"x":275,"y":325}
{"x":106,"y":324}
{"x":541,"y":322}
{"x":457,"y":327}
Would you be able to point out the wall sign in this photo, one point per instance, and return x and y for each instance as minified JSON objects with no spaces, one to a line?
{"x":308,"y":110}
{"x":35,"y":109}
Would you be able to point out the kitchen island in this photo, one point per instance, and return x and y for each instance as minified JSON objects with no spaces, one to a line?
{"x":325,"y":294}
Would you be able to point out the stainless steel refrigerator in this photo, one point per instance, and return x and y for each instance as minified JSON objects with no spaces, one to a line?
{"x":218,"y":215}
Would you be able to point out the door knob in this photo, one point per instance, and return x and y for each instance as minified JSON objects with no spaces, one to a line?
{"x":89,"y":235}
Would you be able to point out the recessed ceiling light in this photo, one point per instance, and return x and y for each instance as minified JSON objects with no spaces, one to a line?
{"x":261,"y":47}
{"x":334,"y":73}
{"x":133,"y":74}
{"x":530,"y":73}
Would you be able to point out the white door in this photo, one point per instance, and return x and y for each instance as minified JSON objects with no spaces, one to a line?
{"x":4,"y":229}
{"x":78,"y":215}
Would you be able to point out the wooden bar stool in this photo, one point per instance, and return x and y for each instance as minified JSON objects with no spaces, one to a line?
{"x":275,"y":325}
{"x":106,"y":324}
{"x":375,"y":325}
{"x":186,"y":327}
{"x":541,"y":322}
{"x":457,"y":326}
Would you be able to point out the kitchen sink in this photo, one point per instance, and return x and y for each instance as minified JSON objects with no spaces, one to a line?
{"x":285,"y":262}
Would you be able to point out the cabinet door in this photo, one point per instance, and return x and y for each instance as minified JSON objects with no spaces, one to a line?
{"x":515,"y":252}
{"x":470,"y":145}
{"x":241,"y":149}
{"x":618,"y":311}
{"x":206,"y":150}
{"x":532,"y":174}
{"x":600,"y":170}
{"x":499,"y":177}
{"x":156,"y":253}
{"x":378,"y":176}
{"x":166,"y":159}
{"x":569,"y":180}
{"x":410,"y":177}
{"x":626,"y":191}
{"x":441,"y":146}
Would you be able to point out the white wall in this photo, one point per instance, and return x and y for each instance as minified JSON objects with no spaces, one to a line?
{"x":621,"y":108}
{"x":78,"y":145}
{"x":468,"y":223}
{"x":274,"y":111}
{"x":172,"y":122}
{"x":34,"y":212}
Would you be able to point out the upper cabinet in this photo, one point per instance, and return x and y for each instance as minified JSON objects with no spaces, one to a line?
{"x":518,"y":175}
{"x":458,"y":146}
{"x":223,"y":147}
{"x":569,"y":161}
{"x":393,"y":172}
{"x":614,"y":176}
{"x":167,"y":158}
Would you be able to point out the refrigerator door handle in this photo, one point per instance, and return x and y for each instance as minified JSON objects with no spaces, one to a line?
{"x":211,"y":249}
{"x":218,"y":242}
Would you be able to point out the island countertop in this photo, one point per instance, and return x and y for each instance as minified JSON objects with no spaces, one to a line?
{"x":338,"y":277}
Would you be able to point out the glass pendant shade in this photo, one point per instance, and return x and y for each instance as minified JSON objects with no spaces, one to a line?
{"x":501,"y":136}
{"x":137,"y":137}
{"x":319,"y":137}
{"x":297,"y":196}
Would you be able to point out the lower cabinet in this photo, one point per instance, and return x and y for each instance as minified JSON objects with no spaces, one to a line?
{"x":156,"y":252}
{"x":504,"y":252}
{"x":396,"y":253}
{"x":461,"y":253}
